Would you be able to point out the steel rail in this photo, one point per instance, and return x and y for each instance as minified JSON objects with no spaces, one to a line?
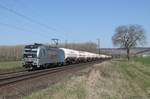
{"x":6,"y":80}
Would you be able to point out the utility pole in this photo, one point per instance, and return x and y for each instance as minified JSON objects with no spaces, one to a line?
{"x":98,"y":45}
{"x":66,"y":43}
{"x":55,"y":40}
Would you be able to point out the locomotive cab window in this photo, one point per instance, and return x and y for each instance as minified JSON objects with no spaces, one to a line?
{"x":42,"y":53}
{"x":30,"y":53}
{"x":29,"y":56}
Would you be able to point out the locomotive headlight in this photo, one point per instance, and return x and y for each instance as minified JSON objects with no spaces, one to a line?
{"x":23,"y":63}
{"x":35,"y":63}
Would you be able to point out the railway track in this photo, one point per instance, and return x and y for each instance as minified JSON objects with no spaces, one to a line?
{"x":21,"y":76}
{"x":12,"y":72}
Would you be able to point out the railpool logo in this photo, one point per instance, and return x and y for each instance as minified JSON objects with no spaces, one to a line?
{"x":52,"y":55}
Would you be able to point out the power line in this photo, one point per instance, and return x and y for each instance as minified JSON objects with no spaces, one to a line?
{"x":22,"y":29}
{"x":26,"y":17}
{"x":37,"y":13}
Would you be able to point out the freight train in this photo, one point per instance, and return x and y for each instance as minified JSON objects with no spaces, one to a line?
{"x":41,"y":56}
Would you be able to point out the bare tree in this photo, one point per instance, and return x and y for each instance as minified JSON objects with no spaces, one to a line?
{"x":128,"y":37}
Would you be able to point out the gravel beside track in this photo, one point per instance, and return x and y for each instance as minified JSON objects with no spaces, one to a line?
{"x":20,"y":76}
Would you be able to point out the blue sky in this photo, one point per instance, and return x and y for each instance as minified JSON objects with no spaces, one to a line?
{"x":71,"y":20}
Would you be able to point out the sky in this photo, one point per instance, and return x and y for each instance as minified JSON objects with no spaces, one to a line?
{"x":69,"y":20}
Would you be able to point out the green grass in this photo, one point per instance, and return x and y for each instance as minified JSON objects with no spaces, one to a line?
{"x":116,"y":79}
{"x":144,"y":60}
{"x":137,"y":74}
{"x":59,"y":91}
{"x":10,"y":65}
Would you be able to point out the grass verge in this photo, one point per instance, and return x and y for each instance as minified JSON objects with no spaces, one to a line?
{"x":10,"y":65}
{"x":138,"y":74}
{"x":143,"y":60}
{"x":107,"y":80}
{"x":60,"y":91}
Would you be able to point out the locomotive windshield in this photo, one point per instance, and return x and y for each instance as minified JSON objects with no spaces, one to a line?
{"x":29,"y":56}
{"x":30,"y":53}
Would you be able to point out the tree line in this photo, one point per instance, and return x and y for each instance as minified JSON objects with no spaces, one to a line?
{"x":8,"y":53}
{"x":14,"y":53}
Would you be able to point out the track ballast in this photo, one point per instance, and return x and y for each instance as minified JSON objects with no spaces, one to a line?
{"x":9,"y":79}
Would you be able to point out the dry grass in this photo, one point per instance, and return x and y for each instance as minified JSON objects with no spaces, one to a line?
{"x":108,"y":80}
{"x":5,"y":65}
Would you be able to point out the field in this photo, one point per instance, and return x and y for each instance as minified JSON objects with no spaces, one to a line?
{"x":144,"y":60}
{"x":10,"y":65}
{"x":115,"y":79}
